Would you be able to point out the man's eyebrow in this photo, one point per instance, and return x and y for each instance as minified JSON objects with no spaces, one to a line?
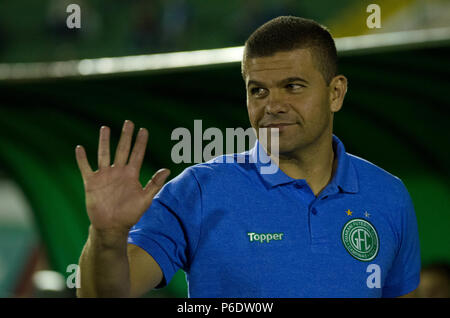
{"x":280,"y":83}
{"x":292,"y":79}
{"x":254,"y":83}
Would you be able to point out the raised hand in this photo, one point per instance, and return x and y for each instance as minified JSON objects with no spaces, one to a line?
{"x":115,"y":199}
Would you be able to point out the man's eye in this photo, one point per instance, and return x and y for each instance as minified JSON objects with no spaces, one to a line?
{"x":257,"y":91}
{"x":294,"y":86}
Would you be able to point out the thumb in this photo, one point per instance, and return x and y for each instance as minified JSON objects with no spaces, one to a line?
{"x":156,"y":183}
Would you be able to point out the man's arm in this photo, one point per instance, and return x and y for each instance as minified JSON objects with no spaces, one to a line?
{"x":145,"y":273}
{"x":110,"y":267}
{"x":104,"y":266}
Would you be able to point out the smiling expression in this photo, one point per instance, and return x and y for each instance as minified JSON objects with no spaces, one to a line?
{"x":286,"y":91}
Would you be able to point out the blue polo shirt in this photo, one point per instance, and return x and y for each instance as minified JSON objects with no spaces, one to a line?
{"x":238,"y":232}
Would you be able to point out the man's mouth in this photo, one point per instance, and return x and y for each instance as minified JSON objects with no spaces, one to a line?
{"x":277,"y":125}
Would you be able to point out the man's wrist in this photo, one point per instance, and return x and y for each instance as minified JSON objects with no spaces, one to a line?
{"x":109,"y":238}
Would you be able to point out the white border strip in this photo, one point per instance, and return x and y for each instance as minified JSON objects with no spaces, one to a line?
{"x":163,"y":61}
{"x":392,"y":40}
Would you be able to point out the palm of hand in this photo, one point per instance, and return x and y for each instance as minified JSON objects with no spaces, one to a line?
{"x":115,"y":199}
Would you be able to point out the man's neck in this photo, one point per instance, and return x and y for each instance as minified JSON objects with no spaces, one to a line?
{"x":315,"y":163}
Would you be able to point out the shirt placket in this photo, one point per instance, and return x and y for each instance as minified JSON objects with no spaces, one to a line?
{"x":315,"y":207}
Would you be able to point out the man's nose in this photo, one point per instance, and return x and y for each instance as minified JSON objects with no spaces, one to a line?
{"x":276,"y":104}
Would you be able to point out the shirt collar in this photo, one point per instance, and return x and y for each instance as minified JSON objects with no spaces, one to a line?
{"x":345,"y":178}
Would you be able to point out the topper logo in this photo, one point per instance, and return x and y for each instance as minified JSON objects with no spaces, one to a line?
{"x":265,"y":237}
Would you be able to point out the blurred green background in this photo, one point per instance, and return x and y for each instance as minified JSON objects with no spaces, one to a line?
{"x":395,"y":113}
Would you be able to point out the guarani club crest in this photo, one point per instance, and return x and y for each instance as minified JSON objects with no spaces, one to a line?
{"x":360,"y":239}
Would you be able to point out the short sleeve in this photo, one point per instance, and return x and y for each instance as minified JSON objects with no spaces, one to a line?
{"x":169,"y":230}
{"x":404,"y":275}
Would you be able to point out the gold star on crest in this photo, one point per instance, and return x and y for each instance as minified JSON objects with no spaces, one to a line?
{"x":349,"y":212}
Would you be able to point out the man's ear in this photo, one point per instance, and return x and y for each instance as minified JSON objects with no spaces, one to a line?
{"x":338,"y":89}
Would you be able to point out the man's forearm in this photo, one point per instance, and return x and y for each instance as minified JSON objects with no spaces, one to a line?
{"x":104,"y":267}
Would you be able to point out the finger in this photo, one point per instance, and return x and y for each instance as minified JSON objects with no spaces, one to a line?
{"x":82,"y":162}
{"x":137,"y":155}
{"x":123,"y":148}
{"x":104,"y":156}
{"x":156,"y":183}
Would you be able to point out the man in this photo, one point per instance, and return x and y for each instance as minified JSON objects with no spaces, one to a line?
{"x":325,"y":224}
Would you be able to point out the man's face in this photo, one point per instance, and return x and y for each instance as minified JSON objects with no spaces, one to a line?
{"x":286,"y":91}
